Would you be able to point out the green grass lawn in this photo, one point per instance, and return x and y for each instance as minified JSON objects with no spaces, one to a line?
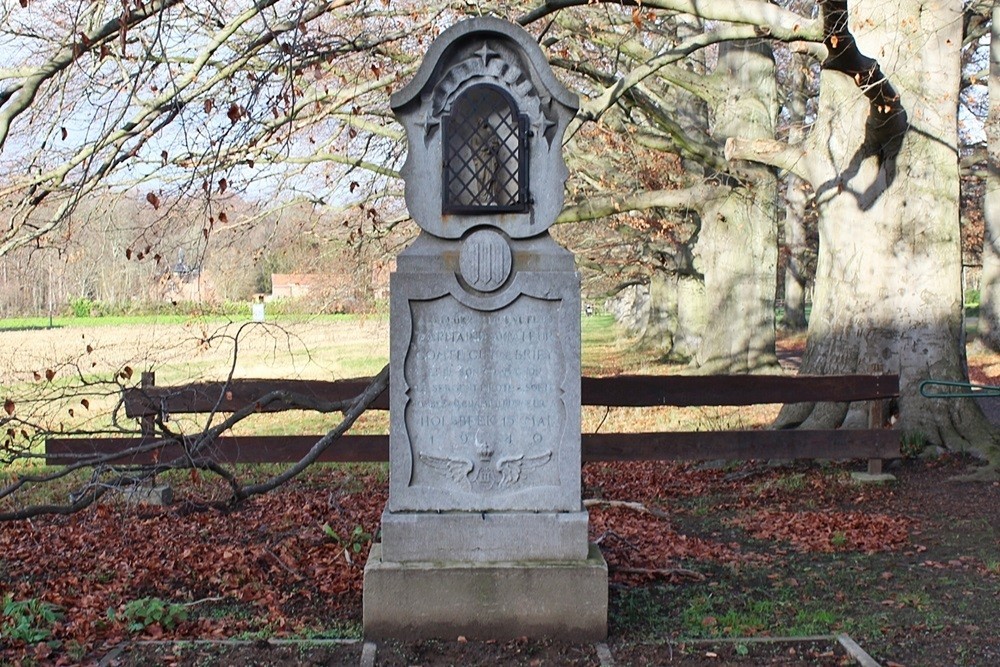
{"x":84,"y":391}
{"x":62,"y":322}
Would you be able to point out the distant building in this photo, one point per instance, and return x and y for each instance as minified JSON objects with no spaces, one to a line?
{"x":341,"y":286}
{"x":294,"y":285}
{"x":183,"y":282}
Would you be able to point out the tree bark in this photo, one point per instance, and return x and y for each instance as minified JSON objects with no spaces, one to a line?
{"x":661,"y":313}
{"x":989,"y":311}
{"x":796,"y":263}
{"x":796,"y":201}
{"x":737,"y":246}
{"x":888,"y":286}
{"x":676,"y":308}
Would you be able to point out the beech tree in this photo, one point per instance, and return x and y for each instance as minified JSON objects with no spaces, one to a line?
{"x":738,"y":241}
{"x":709,"y":298}
{"x":797,"y":194}
{"x":989,"y":312}
{"x":883,"y":161}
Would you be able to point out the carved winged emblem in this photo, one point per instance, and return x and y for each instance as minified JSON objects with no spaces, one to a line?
{"x":511,"y":468}
{"x":457,"y":469}
{"x":486,"y":475}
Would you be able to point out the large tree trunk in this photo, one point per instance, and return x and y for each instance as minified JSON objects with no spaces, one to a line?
{"x":888,"y":285}
{"x":796,"y":244}
{"x":676,"y":290}
{"x":796,"y":201}
{"x":737,"y":245}
{"x":989,"y":312}
{"x":661,"y":319}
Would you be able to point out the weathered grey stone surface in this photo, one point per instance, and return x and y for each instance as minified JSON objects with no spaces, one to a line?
{"x":484,"y":536}
{"x":561,"y":599}
{"x":485,"y":398}
{"x":870,"y":478}
{"x":500,"y":54}
{"x":150,"y":495}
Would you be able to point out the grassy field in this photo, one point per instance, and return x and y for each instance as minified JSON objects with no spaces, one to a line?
{"x":69,"y":377}
{"x":184,"y":349}
{"x":87,"y":360}
{"x":51,"y":374}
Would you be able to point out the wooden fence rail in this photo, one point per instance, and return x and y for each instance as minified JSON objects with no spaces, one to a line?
{"x":874,"y":443}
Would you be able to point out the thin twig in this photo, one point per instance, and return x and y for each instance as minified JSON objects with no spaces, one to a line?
{"x":661,"y":572}
{"x":625,"y":504}
{"x":283,"y":566}
{"x":611,"y":533}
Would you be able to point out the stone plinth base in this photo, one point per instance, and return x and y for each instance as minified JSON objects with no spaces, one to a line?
{"x":444,"y":600}
{"x":150,"y":495}
{"x":484,"y":537}
{"x":869,"y":478}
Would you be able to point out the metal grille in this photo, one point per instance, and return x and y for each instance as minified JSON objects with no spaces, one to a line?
{"x":485,"y":154}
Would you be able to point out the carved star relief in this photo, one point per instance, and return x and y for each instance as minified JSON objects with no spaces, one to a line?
{"x":485,"y":53}
{"x":428,"y":124}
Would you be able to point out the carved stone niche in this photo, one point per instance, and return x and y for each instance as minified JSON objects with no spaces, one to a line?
{"x":484,"y":533}
{"x":485,"y":375}
{"x":485,"y":118}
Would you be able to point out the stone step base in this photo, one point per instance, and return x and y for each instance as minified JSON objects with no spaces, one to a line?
{"x":484,"y":537}
{"x":564,"y":600}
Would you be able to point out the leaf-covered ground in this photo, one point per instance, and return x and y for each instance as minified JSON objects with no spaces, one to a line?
{"x":910,"y":570}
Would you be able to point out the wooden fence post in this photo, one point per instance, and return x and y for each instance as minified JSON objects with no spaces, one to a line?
{"x":147,"y":423}
{"x":878,"y":414}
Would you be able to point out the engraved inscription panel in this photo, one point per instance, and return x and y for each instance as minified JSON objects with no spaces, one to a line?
{"x":484,"y":414}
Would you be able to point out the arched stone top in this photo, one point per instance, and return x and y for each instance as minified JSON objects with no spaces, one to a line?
{"x":483,"y":28}
{"x":471,"y":161}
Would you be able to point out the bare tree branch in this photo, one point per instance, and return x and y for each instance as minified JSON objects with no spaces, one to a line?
{"x":768,"y":19}
{"x":378,"y":385}
{"x":17,"y":98}
{"x":778,"y":154}
{"x":887,"y":121}
{"x":600,"y":207}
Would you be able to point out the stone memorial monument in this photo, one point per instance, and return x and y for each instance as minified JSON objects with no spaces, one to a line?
{"x":484,"y":534}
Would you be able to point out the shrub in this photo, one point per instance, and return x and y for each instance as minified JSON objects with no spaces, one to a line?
{"x":28,"y":620}
{"x":82,"y":306}
{"x":144,"y":612}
